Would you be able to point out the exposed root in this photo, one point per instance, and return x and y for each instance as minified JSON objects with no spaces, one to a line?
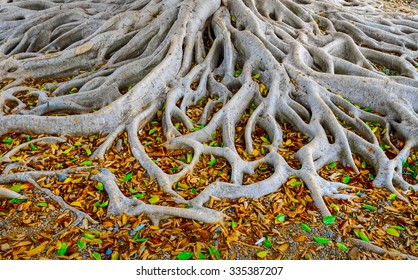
{"x":339,"y":74}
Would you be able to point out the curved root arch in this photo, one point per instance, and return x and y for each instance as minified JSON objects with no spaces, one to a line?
{"x":329,"y":69}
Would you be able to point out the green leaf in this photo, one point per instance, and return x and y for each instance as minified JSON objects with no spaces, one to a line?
{"x":88,"y":152}
{"x":392,"y":231}
{"x":96,"y":256}
{"x":138,"y":195}
{"x":262,"y":254}
{"x":28,"y":138}
{"x":265,"y":140}
{"x":16,"y":188}
{"x":371,"y":176}
{"x":363,"y":164}
{"x":392,"y":196}
{"x":335,"y":207}
{"x":87,"y":162}
{"x":212,"y":162}
{"x":233,"y":224}
{"x":346,"y":179}
{"x":201,"y":256}
{"x":213,"y":251}
{"x":332,"y":164}
{"x":341,"y":246}
{"x":369,"y":207}
{"x":8,"y":140}
{"x":143,"y":239}
{"x":359,"y":233}
{"x":63,"y":249}
{"x":256,"y":76}
{"x":305,"y":227}
{"x":295,"y":184}
{"x":104,"y":204}
{"x":267,"y":242}
{"x":42,"y":204}
{"x":217,"y":254}
{"x":77,"y":144}
{"x":193,"y":190}
{"x":17,"y":200}
{"x":184,"y":255}
{"x":89,"y":236}
{"x":321,"y":240}
{"x":33,"y":147}
{"x":398,"y":227}
{"x":67,"y":150}
{"x":81,"y":244}
{"x":329,"y":220}
{"x":99,"y":186}
{"x":127,"y":177}
{"x":152,"y":131}
{"x":367,"y":109}
{"x":154,"y":199}
{"x":280,"y":219}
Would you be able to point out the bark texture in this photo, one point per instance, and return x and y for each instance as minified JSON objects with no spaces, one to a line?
{"x":311,"y":56}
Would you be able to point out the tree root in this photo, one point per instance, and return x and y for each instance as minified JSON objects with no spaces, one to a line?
{"x":335,"y":73}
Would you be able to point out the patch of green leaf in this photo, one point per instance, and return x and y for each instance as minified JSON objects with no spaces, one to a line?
{"x":17,"y":200}
{"x":233,"y":224}
{"x":328,"y":220}
{"x":63,"y":249}
{"x":87,"y":163}
{"x":89,"y":236}
{"x":360,"y":234}
{"x":296,"y":184}
{"x":33,"y":147}
{"x":335,"y":207}
{"x":321,"y":240}
{"x":67,"y":150}
{"x":280,"y":218}
{"x":262,"y":254}
{"x":213,"y":251}
{"x":265,"y":140}
{"x":342,"y":246}
{"x":8,"y":140}
{"x":332,"y":164}
{"x":392,"y":196}
{"x":184,"y":255}
{"x":96,"y":256}
{"x":346,"y":179}
{"x":81,"y":244}
{"x":392,"y":231}
{"x":369,"y":207}
{"x":267,"y":242}
{"x":88,"y":151}
{"x":152,"y":131}
{"x":154,"y":199}
{"x":42,"y":204}
{"x":16,"y":188}
{"x":305,"y":227}
{"x":127,"y":177}
{"x":212,"y":162}
{"x":99,"y":186}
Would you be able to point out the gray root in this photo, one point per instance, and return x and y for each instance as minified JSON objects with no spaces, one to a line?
{"x":311,"y":56}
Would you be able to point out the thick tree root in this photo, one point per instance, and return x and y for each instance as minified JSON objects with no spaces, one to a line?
{"x":333,"y":71}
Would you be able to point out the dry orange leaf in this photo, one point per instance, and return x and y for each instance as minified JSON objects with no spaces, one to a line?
{"x":37,"y":250}
{"x":300,"y":238}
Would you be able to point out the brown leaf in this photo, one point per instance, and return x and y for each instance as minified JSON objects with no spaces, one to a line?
{"x":37,"y":250}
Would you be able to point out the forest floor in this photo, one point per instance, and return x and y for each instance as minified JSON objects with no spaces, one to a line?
{"x":282,"y":225}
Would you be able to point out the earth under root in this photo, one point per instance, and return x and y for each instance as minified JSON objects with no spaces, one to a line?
{"x":199,"y":96}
